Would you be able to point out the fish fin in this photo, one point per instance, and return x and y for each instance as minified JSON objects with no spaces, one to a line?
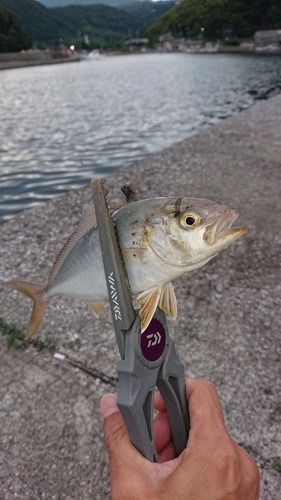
{"x":148,"y":301}
{"x":96,"y":307}
{"x":87,"y":222}
{"x":40,"y":305}
{"x":168,"y":300}
{"x":116,"y":207}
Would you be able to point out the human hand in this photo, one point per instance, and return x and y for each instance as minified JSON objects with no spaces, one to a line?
{"x":212,"y":466}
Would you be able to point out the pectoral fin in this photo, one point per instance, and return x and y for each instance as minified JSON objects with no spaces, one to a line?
{"x":148,"y":301}
{"x":96,"y":307}
{"x":162,"y":296}
{"x":168,"y":300}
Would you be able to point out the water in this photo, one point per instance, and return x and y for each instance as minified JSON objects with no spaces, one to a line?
{"x":61,"y":125}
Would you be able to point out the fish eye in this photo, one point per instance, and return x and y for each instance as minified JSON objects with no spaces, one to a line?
{"x":189,"y":220}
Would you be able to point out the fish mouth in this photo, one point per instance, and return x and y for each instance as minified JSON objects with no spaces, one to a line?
{"x":221,"y":231}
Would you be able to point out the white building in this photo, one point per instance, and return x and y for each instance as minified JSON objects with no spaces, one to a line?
{"x":268,"y":40}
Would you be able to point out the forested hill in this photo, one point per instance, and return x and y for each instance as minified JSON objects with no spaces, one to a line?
{"x":129,"y":20}
{"x":104,"y":25}
{"x":12,"y":37}
{"x":35,"y":19}
{"x":217,"y":19}
{"x":101,"y":23}
{"x":111,"y":26}
{"x":147,"y":11}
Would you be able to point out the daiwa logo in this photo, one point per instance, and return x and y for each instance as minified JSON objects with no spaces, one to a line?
{"x":154,"y":339}
{"x":114,"y":296}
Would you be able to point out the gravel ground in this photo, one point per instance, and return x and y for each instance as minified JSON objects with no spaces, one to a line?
{"x":227,"y":330}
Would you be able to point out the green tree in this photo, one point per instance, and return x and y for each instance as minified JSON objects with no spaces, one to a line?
{"x":12,"y":37}
{"x":272,"y":20}
{"x":219,"y":18}
{"x":187,"y":18}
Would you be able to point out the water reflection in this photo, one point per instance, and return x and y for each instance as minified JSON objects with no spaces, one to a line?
{"x":61,"y":125}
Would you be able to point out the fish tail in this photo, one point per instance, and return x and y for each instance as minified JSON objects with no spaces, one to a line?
{"x":40,"y":304}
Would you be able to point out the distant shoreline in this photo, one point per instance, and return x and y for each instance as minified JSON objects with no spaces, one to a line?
{"x":32,"y":58}
{"x":11,"y":60}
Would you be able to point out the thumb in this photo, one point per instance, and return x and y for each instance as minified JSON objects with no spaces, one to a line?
{"x":116,"y":436}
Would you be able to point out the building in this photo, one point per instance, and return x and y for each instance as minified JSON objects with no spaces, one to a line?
{"x":137,"y":43}
{"x":268,"y":40}
{"x":167,"y":43}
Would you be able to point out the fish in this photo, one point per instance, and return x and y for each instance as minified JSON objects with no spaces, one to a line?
{"x":160,"y":239}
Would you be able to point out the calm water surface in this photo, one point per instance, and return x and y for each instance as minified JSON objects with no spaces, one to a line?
{"x":62,"y":125}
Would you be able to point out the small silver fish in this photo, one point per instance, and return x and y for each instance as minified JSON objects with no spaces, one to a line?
{"x":160,"y":240}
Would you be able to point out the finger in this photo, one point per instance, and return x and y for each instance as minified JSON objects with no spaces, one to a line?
{"x":159,"y":404}
{"x":204,"y":406}
{"x":190,"y":384}
{"x":206,"y":417}
{"x":168,"y":453}
{"x":162,"y":431}
{"x":108,"y":405}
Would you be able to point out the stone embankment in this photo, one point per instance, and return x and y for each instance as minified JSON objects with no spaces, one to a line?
{"x":228,"y":326}
{"x":32,"y":58}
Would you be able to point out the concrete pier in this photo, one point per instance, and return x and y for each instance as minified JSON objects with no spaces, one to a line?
{"x":228,"y":327}
{"x":9,"y":60}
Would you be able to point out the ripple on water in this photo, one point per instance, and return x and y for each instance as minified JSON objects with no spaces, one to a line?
{"x":61,"y":125}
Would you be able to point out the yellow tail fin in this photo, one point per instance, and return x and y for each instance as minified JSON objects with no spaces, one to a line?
{"x":40,"y":305}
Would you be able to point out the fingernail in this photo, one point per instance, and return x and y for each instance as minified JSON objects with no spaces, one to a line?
{"x":108,"y":405}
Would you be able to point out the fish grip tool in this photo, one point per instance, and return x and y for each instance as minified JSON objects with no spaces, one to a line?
{"x":148,"y":359}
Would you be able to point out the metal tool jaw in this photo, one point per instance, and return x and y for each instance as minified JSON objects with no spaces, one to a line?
{"x":148,"y":359}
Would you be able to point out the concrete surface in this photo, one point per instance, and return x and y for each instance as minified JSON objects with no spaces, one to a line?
{"x":228,"y":326}
{"x":10,"y":60}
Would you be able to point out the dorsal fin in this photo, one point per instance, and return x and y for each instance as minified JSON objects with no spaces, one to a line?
{"x":87,"y":222}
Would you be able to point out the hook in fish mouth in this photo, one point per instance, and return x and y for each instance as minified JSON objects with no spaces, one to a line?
{"x":221,"y":230}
